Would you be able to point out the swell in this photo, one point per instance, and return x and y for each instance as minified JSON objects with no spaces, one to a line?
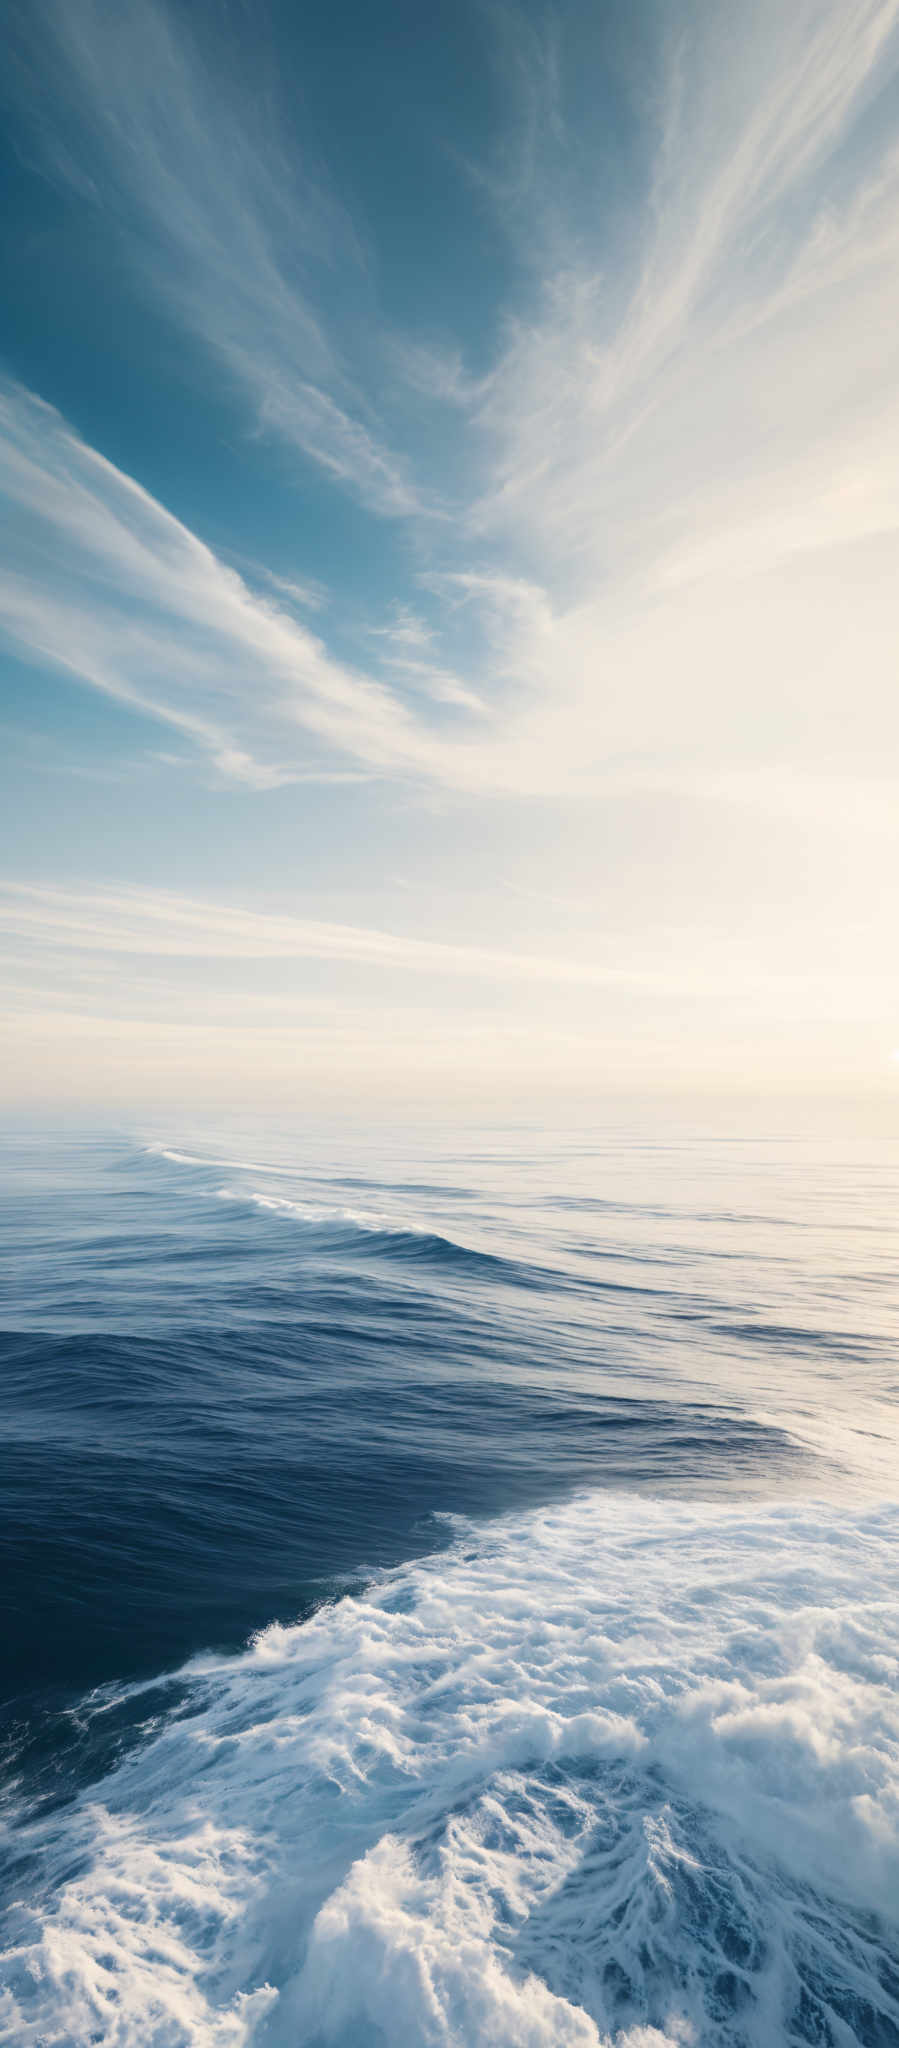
{"x":335,"y":1231}
{"x":370,"y":1237}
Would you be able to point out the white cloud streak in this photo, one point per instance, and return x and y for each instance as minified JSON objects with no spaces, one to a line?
{"x":141,"y":922}
{"x":702,"y":486}
{"x":235,"y":233}
{"x":102,"y":581}
{"x":132,"y":994}
{"x":606,"y":435}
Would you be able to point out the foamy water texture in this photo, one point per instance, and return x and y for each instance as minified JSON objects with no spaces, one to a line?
{"x":613,"y":1771}
{"x":611,"y":1758}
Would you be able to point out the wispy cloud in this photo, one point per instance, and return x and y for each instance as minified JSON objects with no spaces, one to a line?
{"x":102,"y":581}
{"x":123,"y":994}
{"x":143,"y":922}
{"x":688,"y":480}
{"x":660,"y":471}
{"x":612,"y":424}
{"x":226,"y":220}
{"x":407,"y":649}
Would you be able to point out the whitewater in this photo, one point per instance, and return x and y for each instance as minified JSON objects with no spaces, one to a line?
{"x":584,"y":1729}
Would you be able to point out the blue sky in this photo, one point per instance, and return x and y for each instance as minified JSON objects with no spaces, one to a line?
{"x":451,"y":541}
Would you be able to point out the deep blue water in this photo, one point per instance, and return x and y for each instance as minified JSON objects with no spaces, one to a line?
{"x":559,"y":1473}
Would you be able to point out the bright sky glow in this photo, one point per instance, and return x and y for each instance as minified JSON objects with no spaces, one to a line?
{"x":450,"y":582}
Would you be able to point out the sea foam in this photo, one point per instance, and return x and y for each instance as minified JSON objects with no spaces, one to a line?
{"x":615,"y":1771}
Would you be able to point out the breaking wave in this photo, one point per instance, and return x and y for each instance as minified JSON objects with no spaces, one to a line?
{"x":331,"y":1227}
{"x":619,"y":1771}
{"x":375,"y":1235}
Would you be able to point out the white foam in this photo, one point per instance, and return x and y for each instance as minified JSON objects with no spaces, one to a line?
{"x":317,"y":1212}
{"x":615,"y":1771}
{"x":217,"y":1164}
{"x":174,"y":1158}
{"x":284,"y":1205}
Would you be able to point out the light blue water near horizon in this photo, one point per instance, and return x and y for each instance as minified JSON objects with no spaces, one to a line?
{"x":452,"y":1585}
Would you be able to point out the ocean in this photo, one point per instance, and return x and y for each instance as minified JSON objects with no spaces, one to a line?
{"x":451,"y":1586}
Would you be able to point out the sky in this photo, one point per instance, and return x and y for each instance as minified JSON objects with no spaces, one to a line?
{"x":449,"y":585}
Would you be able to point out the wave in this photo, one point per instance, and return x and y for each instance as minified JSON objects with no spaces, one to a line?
{"x":615,"y":1771}
{"x":174,"y":1158}
{"x":214,"y":1162}
{"x":373,"y":1232}
{"x":439,"y":1190}
{"x":381,"y":1237}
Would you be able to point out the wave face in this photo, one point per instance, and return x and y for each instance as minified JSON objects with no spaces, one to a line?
{"x":452,"y":1591}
